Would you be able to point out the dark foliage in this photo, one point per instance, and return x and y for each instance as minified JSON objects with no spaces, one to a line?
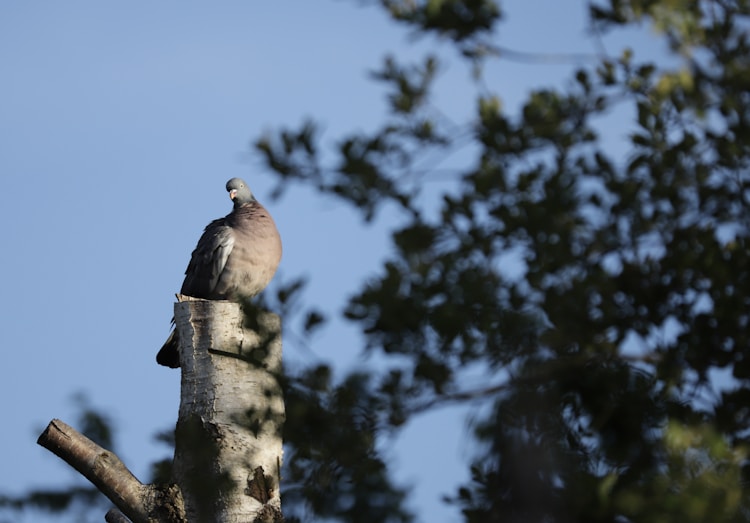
{"x":630,"y":286}
{"x":600,"y":342}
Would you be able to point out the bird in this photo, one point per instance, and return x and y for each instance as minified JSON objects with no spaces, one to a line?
{"x":236,"y":258}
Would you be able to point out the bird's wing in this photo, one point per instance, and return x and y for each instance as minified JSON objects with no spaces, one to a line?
{"x":209,"y":260}
{"x":256,"y":254}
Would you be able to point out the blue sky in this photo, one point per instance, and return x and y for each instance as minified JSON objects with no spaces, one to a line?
{"x":120,"y":124}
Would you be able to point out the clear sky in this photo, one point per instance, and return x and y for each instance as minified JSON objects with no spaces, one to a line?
{"x":120,"y":124}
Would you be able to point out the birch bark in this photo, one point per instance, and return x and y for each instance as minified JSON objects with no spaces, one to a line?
{"x":228,"y":446}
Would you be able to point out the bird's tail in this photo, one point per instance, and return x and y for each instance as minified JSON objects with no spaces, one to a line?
{"x":169,"y":354}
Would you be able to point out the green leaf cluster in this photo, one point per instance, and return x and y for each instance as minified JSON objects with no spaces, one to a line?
{"x":587,"y":296}
{"x":590,"y":300}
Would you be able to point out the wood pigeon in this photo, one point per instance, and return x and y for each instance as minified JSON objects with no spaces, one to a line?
{"x":235,"y":258}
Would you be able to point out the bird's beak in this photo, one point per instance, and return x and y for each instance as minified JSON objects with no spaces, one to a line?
{"x":232,"y":194}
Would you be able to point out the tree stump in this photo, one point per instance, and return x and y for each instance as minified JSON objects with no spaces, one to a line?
{"x":228,"y":445}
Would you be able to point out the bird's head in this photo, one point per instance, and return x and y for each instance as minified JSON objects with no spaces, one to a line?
{"x":239,"y":192}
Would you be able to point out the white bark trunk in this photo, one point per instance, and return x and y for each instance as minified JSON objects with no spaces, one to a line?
{"x":228,"y":440}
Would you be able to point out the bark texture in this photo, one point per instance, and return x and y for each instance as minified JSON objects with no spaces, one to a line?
{"x":228,"y":446}
{"x":140,"y":503}
{"x":228,"y":440}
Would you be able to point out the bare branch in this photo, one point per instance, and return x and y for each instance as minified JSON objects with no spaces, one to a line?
{"x":115,"y":516}
{"x":101,"y":467}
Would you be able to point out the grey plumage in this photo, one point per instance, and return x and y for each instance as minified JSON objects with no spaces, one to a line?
{"x":235,"y":258}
